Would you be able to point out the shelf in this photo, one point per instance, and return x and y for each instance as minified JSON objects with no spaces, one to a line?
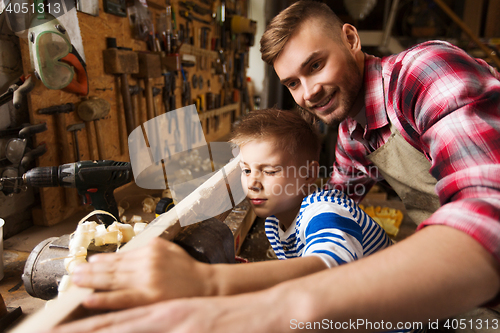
{"x":199,"y":52}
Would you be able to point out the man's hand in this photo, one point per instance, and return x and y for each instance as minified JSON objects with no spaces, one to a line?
{"x":204,"y":315}
{"x":160,"y":271}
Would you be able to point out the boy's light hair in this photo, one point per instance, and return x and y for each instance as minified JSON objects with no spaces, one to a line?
{"x":286,"y":23}
{"x":289,"y":130}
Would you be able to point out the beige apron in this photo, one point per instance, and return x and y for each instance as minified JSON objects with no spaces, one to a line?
{"x":407,"y":170}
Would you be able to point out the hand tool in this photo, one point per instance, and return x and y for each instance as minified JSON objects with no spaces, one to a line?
{"x":190,"y":5}
{"x":115,"y":7}
{"x":17,"y":90}
{"x":204,"y":37}
{"x":65,"y":153}
{"x":187,"y":38}
{"x":75,"y":128}
{"x":139,"y":116}
{"x":186,"y":90}
{"x":122,"y":62}
{"x":168,"y":31}
{"x":223,"y":25}
{"x":181,"y":33}
{"x":169,"y":81}
{"x":149,"y":68}
{"x":59,"y":112}
{"x":187,"y":15}
{"x":92,"y":111}
{"x":156,"y":92}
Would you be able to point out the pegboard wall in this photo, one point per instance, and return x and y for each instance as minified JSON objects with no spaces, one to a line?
{"x":206,"y":64}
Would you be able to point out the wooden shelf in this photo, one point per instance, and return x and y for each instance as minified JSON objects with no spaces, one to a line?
{"x":199,"y":52}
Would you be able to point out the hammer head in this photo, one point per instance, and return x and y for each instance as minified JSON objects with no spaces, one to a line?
{"x":149,"y":65}
{"x":93,"y":109}
{"x":75,"y":127}
{"x":56,"y":109}
{"x":120,"y":61}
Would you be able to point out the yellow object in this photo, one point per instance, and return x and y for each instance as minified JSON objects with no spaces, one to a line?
{"x":240,"y":24}
{"x":388,"y":218}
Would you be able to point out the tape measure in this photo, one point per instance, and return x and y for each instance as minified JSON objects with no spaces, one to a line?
{"x":163,"y":206}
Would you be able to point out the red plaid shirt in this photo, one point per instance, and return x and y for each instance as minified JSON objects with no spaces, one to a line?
{"x":447,"y":105}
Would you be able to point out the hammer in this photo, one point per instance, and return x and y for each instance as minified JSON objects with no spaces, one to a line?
{"x":91,"y":111}
{"x":149,"y":68}
{"x":59,"y":112}
{"x":75,"y":128}
{"x":122,"y":62}
{"x":140,"y":117}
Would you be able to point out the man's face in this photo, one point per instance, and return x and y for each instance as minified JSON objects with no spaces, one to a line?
{"x":272,"y":182}
{"x":321,"y":73}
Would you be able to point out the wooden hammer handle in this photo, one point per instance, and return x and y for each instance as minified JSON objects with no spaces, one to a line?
{"x":127,"y":103}
{"x":149,"y":98}
{"x":91,"y":139}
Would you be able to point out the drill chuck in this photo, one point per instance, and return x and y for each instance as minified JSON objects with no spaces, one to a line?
{"x":63,"y":175}
{"x":41,"y":177}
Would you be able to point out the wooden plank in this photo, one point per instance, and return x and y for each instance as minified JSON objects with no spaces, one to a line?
{"x":203,"y":199}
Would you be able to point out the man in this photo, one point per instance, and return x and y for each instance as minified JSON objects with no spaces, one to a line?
{"x":432,"y":108}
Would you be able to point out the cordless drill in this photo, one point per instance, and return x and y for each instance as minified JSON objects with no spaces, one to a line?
{"x":95,"y":181}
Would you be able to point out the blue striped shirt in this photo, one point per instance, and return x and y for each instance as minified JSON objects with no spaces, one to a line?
{"x":329,"y":225}
{"x":333,"y":227}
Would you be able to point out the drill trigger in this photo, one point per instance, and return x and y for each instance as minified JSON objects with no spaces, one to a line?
{"x":87,"y":198}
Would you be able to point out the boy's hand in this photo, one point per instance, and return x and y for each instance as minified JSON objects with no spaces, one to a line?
{"x":162,"y":270}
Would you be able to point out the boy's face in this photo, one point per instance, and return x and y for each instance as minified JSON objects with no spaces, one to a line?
{"x":273,"y":181}
{"x":321,"y":74}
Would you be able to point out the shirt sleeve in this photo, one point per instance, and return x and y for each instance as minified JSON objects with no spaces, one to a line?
{"x":334,"y":238}
{"x":450,"y":106}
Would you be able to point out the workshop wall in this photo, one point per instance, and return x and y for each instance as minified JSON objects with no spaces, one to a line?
{"x":211,"y":52}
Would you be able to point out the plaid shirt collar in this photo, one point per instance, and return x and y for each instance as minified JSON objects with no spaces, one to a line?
{"x":376,"y":115}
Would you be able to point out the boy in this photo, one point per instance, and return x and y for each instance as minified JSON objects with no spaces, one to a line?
{"x":279,"y":153}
